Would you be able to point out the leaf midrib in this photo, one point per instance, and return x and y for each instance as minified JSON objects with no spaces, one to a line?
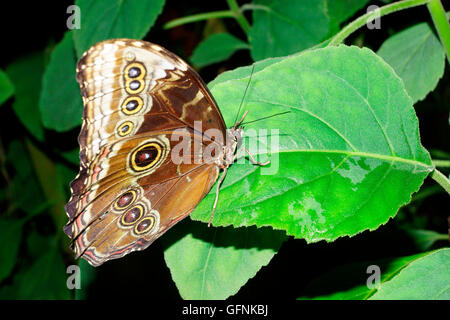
{"x":382,"y":157}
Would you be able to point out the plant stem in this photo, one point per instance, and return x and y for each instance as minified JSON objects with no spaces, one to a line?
{"x":251,"y":6}
{"x":364,"y":19}
{"x":442,"y":236}
{"x":240,"y":18}
{"x":199,"y":17}
{"x":234,"y":12}
{"x":440,"y":23}
{"x":441,"y":163}
{"x":441,"y":179}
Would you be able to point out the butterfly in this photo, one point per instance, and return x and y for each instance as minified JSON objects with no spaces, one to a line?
{"x":142,"y":106}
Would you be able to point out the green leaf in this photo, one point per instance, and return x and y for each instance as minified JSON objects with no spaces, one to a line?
{"x":243,"y":72}
{"x":103,"y":20}
{"x":424,"y":239}
{"x":287,"y":26}
{"x":214,"y":263}
{"x":216,"y":48}
{"x":417,"y":57}
{"x":339,"y":11}
{"x":10,"y":237}
{"x":349,"y":282}
{"x":60,"y":101}
{"x":348,"y":154}
{"x":44,"y":279}
{"x":26,"y":74}
{"x":427,"y":278}
{"x":6,"y":87}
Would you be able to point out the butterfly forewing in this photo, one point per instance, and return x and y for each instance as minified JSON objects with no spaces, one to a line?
{"x":129,"y":190}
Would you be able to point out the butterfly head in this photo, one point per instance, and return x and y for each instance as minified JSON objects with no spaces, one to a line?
{"x":235,"y":134}
{"x":234,"y":137}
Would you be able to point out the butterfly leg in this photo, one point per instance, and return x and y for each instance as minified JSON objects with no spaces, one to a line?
{"x":217,"y":194}
{"x":253,"y":160}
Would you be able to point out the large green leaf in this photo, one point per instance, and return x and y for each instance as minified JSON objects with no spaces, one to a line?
{"x":60,"y":101}
{"x":341,"y":10}
{"x":216,"y":48}
{"x":349,"y":282}
{"x":349,"y":152}
{"x":427,"y":278}
{"x":6,"y":87}
{"x":26,"y":74}
{"x":283,"y":27}
{"x":417,"y":57}
{"x":214,"y":263}
{"x":103,"y":20}
{"x":243,"y":72}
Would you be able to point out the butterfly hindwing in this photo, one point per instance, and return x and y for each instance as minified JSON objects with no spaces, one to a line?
{"x":116,"y":233}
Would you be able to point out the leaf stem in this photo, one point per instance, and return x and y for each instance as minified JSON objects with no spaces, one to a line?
{"x":442,"y":236}
{"x":364,"y":19}
{"x":441,"y":179}
{"x":441,"y":163}
{"x":198,"y":17}
{"x":240,"y":18}
{"x":440,"y":23}
{"x":234,"y":12}
{"x":251,"y":6}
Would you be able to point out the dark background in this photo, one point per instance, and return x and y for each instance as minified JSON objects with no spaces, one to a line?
{"x":33,"y":26}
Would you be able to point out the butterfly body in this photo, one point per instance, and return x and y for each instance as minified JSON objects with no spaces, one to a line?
{"x":140,"y":103}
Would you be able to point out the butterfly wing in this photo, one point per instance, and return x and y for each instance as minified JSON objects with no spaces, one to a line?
{"x":140,"y":212}
{"x":137,"y":97}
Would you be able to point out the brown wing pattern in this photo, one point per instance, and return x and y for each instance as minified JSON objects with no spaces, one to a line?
{"x":129,"y":191}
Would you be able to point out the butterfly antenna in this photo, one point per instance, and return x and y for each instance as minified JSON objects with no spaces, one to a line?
{"x":243,"y":98}
{"x":273,"y":115}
